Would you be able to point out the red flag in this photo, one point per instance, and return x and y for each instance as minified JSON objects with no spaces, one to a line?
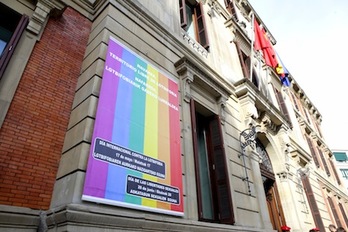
{"x":262,"y":43}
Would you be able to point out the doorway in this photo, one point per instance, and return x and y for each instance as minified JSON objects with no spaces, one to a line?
{"x":274,"y":205}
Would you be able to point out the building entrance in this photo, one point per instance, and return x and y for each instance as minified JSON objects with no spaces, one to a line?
{"x":270,"y":186}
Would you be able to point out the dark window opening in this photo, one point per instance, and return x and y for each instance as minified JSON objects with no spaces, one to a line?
{"x":213,"y":190}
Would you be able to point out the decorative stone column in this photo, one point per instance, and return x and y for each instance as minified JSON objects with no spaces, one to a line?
{"x":190,"y":198}
{"x":259,"y":190}
{"x":284,"y":141}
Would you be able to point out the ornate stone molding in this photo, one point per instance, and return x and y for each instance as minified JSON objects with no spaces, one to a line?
{"x":247,"y":103}
{"x":215,"y":6}
{"x":194,"y":44}
{"x":222,"y":106}
{"x":285,"y":175}
{"x":267,"y":123}
{"x":284,"y":140}
{"x":186,"y":76}
{"x":42,"y":11}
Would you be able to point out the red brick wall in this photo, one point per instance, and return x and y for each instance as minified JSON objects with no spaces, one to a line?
{"x":32,"y":135}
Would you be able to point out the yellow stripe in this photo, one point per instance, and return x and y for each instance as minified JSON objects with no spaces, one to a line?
{"x":151,"y":127}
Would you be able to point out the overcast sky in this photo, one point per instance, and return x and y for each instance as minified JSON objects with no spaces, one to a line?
{"x":312,"y":41}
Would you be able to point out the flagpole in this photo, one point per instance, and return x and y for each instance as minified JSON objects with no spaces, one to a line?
{"x":252,"y":45}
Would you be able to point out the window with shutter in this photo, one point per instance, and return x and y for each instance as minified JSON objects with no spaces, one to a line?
{"x":281,"y":104}
{"x":312,"y":203}
{"x":343,"y":213}
{"x":12,"y":25}
{"x":214,"y":196}
{"x":231,"y":8}
{"x":335,"y":172}
{"x":334,"y":211}
{"x":294,"y":100}
{"x":323,"y":160}
{"x":193,"y":22}
{"x":243,"y":58}
{"x":314,"y":155}
{"x":307,"y":117}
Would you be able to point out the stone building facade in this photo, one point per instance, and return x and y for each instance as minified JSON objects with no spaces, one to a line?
{"x":213,"y":140}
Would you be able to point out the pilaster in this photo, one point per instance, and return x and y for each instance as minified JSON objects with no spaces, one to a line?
{"x":259,"y":190}
{"x":186,"y":79}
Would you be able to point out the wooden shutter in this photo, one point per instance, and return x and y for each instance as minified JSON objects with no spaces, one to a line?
{"x":312,"y":203}
{"x":317,"y":127}
{"x":334,"y":212}
{"x":202,"y":36}
{"x":314,"y":155}
{"x":343,"y":213}
{"x":183,"y":15}
{"x":294,"y":100}
{"x":282,"y":105}
{"x":195,"y":152}
{"x":231,"y":8}
{"x":245,"y":67}
{"x":307,"y":117}
{"x":221,"y":173}
{"x":323,"y":160}
{"x":333,"y":167}
{"x":9,"y":49}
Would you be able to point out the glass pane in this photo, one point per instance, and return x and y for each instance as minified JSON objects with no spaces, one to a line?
{"x":204,"y":175}
{"x":5,"y":36}
{"x":190,"y":29}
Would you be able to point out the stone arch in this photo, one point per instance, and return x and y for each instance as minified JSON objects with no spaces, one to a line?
{"x":275,"y":155}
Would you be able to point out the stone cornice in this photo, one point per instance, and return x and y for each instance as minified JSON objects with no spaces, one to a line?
{"x":210,"y":80}
{"x":88,"y":8}
{"x":270,"y":115}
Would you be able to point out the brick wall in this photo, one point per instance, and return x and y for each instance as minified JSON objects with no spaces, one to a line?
{"x":32,"y":134}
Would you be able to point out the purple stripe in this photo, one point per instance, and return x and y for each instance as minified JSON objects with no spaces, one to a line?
{"x":97,"y":171}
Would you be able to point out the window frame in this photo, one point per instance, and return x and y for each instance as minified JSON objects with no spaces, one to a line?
{"x":9,"y":49}
{"x":312,"y":203}
{"x":216,"y":155}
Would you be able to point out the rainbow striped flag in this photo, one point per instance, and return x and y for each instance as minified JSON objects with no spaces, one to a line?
{"x":135,"y":158}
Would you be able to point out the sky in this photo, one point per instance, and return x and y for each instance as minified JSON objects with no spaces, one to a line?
{"x":312,"y":42}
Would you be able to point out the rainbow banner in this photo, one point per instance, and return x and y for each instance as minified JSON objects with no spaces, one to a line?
{"x":135,"y":158}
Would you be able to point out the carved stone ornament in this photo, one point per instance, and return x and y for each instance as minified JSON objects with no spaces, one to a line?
{"x":42,"y":11}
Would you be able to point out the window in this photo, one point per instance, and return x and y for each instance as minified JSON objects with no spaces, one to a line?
{"x":323,"y":160}
{"x":294,"y":100}
{"x":312,"y":203}
{"x":12,"y":25}
{"x":192,"y":21}
{"x":213,"y":191}
{"x":282,"y":105}
{"x":333,"y":168}
{"x":344,"y":173}
{"x":305,"y":110}
{"x":313,"y":153}
{"x":334,"y":212}
{"x":245,"y":63}
{"x":231,"y":8}
{"x":343,"y":213}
